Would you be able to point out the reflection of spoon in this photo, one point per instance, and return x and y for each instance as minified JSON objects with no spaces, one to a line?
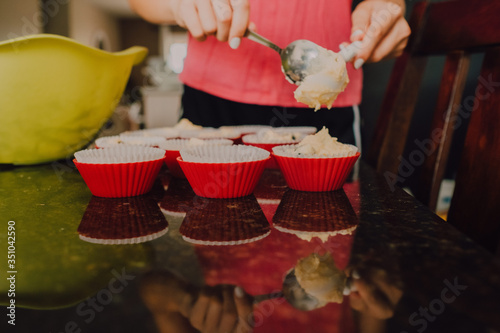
{"x":296,"y":296}
{"x":298,"y":57}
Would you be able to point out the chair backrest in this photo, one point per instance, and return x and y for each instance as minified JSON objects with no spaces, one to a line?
{"x":455,"y":29}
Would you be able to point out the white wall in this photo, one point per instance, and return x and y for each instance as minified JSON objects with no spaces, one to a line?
{"x":89,"y":23}
{"x":19,"y":18}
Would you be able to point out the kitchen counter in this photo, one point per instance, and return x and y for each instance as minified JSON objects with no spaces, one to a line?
{"x":89,"y":264}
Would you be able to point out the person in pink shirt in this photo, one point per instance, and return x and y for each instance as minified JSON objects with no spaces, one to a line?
{"x":230,"y":80}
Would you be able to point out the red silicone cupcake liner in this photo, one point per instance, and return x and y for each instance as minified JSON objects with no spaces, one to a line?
{"x":316,"y":174}
{"x":119,"y":179}
{"x":271,"y":164}
{"x":223,"y":180}
{"x":172,"y":164}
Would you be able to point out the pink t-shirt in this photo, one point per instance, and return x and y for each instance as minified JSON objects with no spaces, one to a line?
{"x":252,"y":73}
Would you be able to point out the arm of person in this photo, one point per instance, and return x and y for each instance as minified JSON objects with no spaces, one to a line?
{"x":226,"y":19}
{"x":381,"y":27}
{"x":221,"y":308}
{"x":154,"y":11}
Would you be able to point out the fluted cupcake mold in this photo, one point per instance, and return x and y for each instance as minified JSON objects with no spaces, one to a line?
{"x":316,"y":174}
{"x":173,"y":146}
{"x":121,"y":171}
{"x":223,"y":171}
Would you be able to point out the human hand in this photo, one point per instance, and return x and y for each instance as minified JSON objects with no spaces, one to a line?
{"x":376,"y":298}
{"x":226,"y":19}
{"x":381,"y":27}
{"x":222,"y":308}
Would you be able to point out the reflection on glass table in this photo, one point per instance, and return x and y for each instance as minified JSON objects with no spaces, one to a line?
{"x":225,"y":222}
{"x":116,"y":221}
{"x":399,"y":266}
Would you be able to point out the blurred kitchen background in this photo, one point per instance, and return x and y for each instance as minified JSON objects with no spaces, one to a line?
{"x":152,"y":97}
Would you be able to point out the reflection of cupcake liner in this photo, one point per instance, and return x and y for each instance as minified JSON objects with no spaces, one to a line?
{"x":271,"y":187}
{"x":325,"y":219}
{"x":314,"y":174}
{"x":223,"y":171}
{"x":178,"y":198}
{"x":122,"y":221}
{"x":315,"y":214}
{"x":269,"y":191}
{"x":119,"y":171}
{"x":225,"y":222}
{"x":173,"y":146}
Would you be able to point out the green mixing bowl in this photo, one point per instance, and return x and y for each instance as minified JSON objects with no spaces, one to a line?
{"x":55,"y":95}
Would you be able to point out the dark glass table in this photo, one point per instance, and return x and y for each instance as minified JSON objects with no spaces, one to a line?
{"x":169,"y":261}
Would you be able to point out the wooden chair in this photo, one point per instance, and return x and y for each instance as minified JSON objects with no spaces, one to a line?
{"x":455,"y":29}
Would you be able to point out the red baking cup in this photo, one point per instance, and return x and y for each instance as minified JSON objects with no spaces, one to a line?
{"x":172,"y":164}
{"x":172,"y":151}
{"x":117,"y":180}
{"x":178,"y":198}
{"x":316,"y":174}
{"x":237,"y":141}
{"x":223,"y":180}
{"x":271,"y":164}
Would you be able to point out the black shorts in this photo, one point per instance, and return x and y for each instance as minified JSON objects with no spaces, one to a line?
{"x":209,"y":111}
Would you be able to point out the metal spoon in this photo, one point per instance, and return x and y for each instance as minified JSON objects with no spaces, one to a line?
{"x":298,"y":57}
